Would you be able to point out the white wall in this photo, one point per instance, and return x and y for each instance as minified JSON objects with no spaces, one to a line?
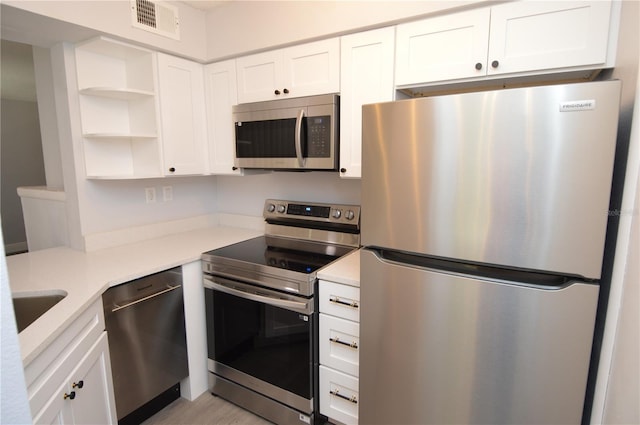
{"x":14,"y":405}
{"x":238,"y":27}
{"x":112,"y":17}
{"x":22,"y":165}
{"x":246,"y":195}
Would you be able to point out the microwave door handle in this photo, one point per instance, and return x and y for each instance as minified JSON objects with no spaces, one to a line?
{"x":301,"y":160}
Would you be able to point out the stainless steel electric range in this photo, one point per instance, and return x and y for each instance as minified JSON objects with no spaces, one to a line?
{"x":262,"y":317}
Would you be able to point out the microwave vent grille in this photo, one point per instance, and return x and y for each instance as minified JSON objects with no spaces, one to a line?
{"x":156,"y":17}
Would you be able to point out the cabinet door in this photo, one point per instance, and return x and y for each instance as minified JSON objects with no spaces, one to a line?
{"x":87,"y":396}
{"x":259,"y":76}
{"x":221,"y":95}
{"x":94,"y":401}
{"x":56,"y":411}
{"x":442,"y":48}
{"x":182,"y":110}
{"x":528,"y":36}
{"x":366,"y":76}
{"x":312,"y":68}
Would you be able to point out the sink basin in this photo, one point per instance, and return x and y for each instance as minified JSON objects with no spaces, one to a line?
{"x":29,"y":306}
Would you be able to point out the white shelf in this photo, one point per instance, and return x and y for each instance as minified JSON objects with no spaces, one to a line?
{"x":125,"y":177}
{"x":119,"y":111}
{"x":119,"y":136}
{"x":117,"y":93}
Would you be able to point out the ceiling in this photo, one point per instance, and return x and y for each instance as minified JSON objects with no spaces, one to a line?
{"x":205,"y":4}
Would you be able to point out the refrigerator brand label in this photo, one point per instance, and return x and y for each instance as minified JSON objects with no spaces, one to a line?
{"x":578,"y":105}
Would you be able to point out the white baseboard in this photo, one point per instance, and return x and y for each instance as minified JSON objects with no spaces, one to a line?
{"x":14,"y":248}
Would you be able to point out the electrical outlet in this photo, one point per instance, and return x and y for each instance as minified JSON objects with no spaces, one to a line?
{"x":150,"y":194}
{"x":167,"y":193}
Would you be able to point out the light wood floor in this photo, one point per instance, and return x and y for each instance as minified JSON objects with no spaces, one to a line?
{"x":206,"y":409}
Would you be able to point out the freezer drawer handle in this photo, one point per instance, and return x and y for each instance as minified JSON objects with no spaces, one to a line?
{"x":337,"y":300}
{"x":120,"y":307}
{"x":336,"y":393}
{"x":348,"y":344}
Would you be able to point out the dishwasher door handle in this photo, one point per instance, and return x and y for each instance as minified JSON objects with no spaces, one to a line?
{"x":148,"y":297}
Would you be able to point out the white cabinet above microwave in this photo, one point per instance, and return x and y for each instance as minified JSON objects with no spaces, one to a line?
{"x":303,"y":70}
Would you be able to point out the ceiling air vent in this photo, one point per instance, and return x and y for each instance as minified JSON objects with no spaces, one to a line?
{"x":156,"y":17}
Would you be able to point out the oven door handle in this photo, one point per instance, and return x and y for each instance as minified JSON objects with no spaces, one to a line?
{"x":276,"y":302}
{"x":298,"y":140}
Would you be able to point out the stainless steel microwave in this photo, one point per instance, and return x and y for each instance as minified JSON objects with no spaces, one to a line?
{"x":288,"y":134}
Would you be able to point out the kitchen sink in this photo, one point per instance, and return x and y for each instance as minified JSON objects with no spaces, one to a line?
{"x":28,"y":307}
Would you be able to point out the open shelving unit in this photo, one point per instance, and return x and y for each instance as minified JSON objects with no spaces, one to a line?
{"x":117,"y":88}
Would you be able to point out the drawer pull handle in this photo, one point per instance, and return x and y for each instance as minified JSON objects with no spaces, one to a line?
{"x":78,"y":384}
{"x":348,"y":344}
{"x":336,"y":393}
{"x":70,"y":396}
{"x":337,"y":300}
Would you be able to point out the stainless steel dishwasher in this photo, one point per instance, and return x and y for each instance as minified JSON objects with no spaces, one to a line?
{"x":147,"y":343}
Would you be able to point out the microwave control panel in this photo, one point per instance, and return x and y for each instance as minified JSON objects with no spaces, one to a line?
{"x":319,"y":137}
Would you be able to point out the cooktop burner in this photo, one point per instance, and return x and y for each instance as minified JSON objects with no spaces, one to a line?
{"x":300,"y":239}
{"x":259,"y":251}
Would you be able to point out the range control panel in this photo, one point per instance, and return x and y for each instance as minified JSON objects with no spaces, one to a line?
{"x":305,"y":211}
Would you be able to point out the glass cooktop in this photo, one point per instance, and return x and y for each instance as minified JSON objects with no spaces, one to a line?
{"x":261,"y":251}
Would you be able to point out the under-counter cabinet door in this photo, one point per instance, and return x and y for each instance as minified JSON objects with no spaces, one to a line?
{"x":260,"y":77}
{"x":312,"y":68}
{"x":529,"y":36}
{"x":87,"y":396}
{"x":442,"y":48}
{"x":183,"y":117}
{"x":221,"y":95}
{"x":366,"y":76}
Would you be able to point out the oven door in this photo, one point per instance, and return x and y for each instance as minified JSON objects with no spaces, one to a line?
{"x":262,"y":340}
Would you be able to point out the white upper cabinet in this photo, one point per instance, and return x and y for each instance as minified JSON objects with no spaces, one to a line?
{"x":366,"y":76}
{"x":221,"y":95}
{"x":183,"y":117}
{"x":529,"y":36}
{"x":303,"y":70}
{"x":442,"y":48}
{"x":521,"y":37}
{"x":118,"y":109}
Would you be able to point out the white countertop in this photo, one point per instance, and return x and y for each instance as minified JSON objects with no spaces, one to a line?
{"x":84,"y":276}
{"x":346,"y":270}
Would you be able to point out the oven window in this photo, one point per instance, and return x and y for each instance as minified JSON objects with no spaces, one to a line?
{"x":269,"y":343}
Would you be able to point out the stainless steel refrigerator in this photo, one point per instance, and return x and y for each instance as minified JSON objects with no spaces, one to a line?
{"x":483,"y":220}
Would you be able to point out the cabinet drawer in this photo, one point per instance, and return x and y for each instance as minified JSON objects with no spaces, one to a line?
{"x":339,"y":344}
{"x":339,"y":396}
{"x":340,"y":300}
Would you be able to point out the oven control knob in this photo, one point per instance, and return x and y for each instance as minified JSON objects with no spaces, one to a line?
{"x":271,"y":208}
{"x":349,"y":215}
{"x":337,"y":214}
{"x":281,"y":208}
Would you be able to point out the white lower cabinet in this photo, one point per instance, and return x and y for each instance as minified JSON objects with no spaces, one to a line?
{"x":338,"y":396}
{"x":70,"y":382}
{"x":83,"y":398}
{"x":339,"y":351}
